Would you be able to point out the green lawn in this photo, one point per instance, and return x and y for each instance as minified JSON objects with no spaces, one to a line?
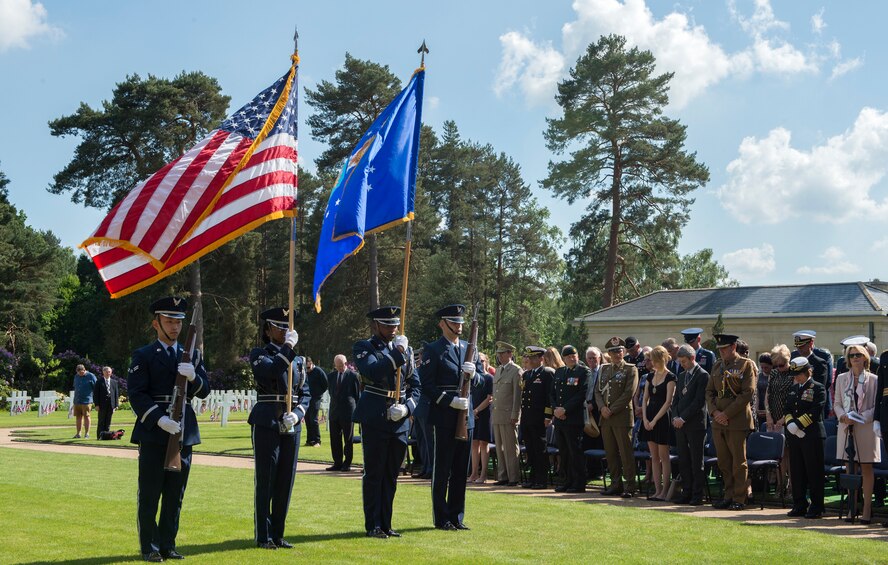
{"x":56,"y":505}
{"x":60,"y":418}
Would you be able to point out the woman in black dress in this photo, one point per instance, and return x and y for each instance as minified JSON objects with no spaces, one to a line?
{"x":482,"y":395}
{"x":658,"y":392}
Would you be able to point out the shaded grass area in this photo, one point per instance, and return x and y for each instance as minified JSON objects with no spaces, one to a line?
{"x":56,"y":504}
{"x":60,"y":418}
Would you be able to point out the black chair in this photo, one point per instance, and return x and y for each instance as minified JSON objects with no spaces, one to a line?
{"x":710,"y":463}
{"x":764,"y":451}
{"x":832,"y":466}
{"x":642,"y":455}
{"x":551,"y":451}
{"x":598,"y":455}
{"x":831,"y":425}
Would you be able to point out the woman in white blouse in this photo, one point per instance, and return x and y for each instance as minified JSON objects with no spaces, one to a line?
{"x":854,"y":404}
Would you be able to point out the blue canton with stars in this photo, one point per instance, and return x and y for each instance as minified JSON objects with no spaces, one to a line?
{"x":250,"y":118}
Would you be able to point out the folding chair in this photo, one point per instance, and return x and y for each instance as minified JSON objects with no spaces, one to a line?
{"x":764,"y":451}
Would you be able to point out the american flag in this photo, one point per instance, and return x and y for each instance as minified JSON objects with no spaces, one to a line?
{"x":240,"y":176}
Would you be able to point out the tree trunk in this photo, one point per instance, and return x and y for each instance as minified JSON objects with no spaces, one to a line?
{"x":610,"y":271}
{"x":195,"y":288}
{"x":372,"y":253}
{"x":498,"y":306}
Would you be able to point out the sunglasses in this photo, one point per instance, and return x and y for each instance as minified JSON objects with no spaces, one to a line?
{"x":855,"y":355}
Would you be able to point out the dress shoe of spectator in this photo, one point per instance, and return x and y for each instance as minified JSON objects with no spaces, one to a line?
{"x":171,"y":554}
{"x":282,"y":543}
{"x":153,"y":557}
{"x":377,"y":533}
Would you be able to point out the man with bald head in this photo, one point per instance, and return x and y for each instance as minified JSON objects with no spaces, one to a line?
{"x":345,"y":390}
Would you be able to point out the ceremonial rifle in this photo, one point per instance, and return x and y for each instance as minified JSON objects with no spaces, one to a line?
{"x":462,"y":418}
{"x":176,"y":411}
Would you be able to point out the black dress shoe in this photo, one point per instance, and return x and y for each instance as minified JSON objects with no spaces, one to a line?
{"x":426,"y":476}
{"x":537,"y":486}
{"x":612,"y":491}
{"x":392,"y":534}
{"x":814,"y":514}
{"x":346,"y":468}
{"x":797,"y":512}
{"x":561,"y":488}
{"x":737,"y":506}
{"x":377,"y":533}
{"x":266,"y":545}
{"x":461,"y":526}
{"x":721,"y":504}
{"x":335,"y":468}
{"x":153,"y":557}
{"x":501,"y":483}
{"x":446,"y":526}
{"x":511,"y":484}
{"x":696,"y":502}
{"x":526,"y":485}
{"x":284,"y":544}
{"x":172,"y":554}
{"x":575,"y":490}
{"x":684,"y":500}
{"x":628,"y":494}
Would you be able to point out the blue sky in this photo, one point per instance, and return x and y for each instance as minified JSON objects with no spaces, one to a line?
{"x":786,"y":102}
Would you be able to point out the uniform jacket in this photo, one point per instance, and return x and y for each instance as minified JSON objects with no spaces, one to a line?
{"x":270,"y":371}
{"x":821,"y":365}
{"x":569,"y":387}
{"x":706,"y":359}
{"x":882,"y":390}
{"x":439,"y":375}
{"x":804,"y":406}
{"x":690,"y":406}
{"x":343,"y":396}
{"x":536,"y":398}
{"x":730,"y":391}
{"x":102,"y":397}
{"x":317,"y":383}
{"x":378,"y":365}
{"x":506,"y":394}
{"x":152,"y":374}
{"x":615,"y":388}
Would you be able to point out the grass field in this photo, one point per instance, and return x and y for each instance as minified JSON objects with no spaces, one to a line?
{"x":79,"y":509}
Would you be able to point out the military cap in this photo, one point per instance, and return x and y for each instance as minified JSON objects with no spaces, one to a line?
{"x":278,"y":317}
{"x":724,"y":340}
{"x":502,"y":347}
{"x":169,"y":306}
{"x":615,"y":343}
{"x":802,"y":337}
{"x":533,"y":351}
{"x":798,"y":365}
{"x":568,"y":350}
{"x":386,"y":315}
{"x":690,"y":334}
{"x":453,"y":313}
{"x":855,"y":340}
{"x":631,"y":342}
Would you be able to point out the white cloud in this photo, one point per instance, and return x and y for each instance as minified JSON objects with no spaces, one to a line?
{"x":779,"y":57}
{"x":21,"y":21}
{"x":845,"y":67}
{"x":535,"y":68}
{"x":771,"y":181}
{"x":836,"y":264}
{"x":762,"y":19}
{"x":880,"y":244}
{"x":817,"y":23}
{"x":432,"y":102}
{"x":750,"y":261}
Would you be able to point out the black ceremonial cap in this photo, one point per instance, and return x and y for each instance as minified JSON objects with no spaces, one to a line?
{"x":386,"y":315}
{"x":631,"y":342}
{"x":170,"y":306}
{"x":278,"y":317}
{"x":568,"y":350}
{"x":724,"y":340}
{"x":453,"y":313}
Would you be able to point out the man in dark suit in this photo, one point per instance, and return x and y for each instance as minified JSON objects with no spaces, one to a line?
{"x":317,"y":386}
{"x":152,"y":377}
{"x":690,"y":420}
{"x":106,"y":395}
{"x":345,"y":389}
{"x":391,"y":390}
{"x":275,"y":426}
{"x":442,"y":367}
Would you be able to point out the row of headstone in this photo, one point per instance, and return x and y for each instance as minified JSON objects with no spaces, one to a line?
{"x":221,"y":403}
{"x":19,"y":402}
{"x":47,"y":401}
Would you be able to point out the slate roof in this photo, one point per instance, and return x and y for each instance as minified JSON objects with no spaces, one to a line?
{"x":852,"y":298}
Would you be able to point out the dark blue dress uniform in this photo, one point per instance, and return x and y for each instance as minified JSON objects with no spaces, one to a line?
{"x":804,"y":407}
{"x":569,"y":387}
{"x":704,"y":357}
{"x":274,"y":453}
{"x":820,"y":359}
{"x":384,"y":441}
{"x":439,"y":374}
{"x":151,"y":379}
{"x":536,"y":408}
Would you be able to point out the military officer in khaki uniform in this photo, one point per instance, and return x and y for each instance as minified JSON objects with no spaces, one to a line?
{"x":617,"y":383}
{"x":728,"y":395}
{"x":506,"y":415}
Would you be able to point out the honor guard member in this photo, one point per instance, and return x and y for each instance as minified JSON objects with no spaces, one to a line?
{"x":536,"y":414}
{"x":820,"y":359}
{"x":152,"y":377}
{"x":442,"y":367}
{"x":804,"y":439}
{"x":382,"y":411}
{"x":276,"y":432}
{"x":694,"y":338}
{"x":569,"y":406}
{"x":506,"y":415}
{"x":728,"y":394}
{"x":617,"y":384}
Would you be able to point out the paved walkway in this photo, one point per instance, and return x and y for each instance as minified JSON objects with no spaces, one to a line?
{"x":751,"y":516}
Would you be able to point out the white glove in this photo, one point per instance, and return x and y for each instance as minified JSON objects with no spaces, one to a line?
{"x":397,"y":412}
{"x":291,"y":338}
{"x":459,"y":403}
{"x":469,"y":369}
{"x":877,"y":427}
{"x":187,"y":370}
{"x":794,"y":430}
{"x":169,"y":425}
{"x":400,"y":341}
{"x":290,"y":418}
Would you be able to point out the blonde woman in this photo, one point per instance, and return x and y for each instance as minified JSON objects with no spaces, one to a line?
{"x":552,"y":359}
{"x":659,"y":389}
{"x":855,"y":404}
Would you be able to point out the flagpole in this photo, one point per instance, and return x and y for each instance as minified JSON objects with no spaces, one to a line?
{"x":292,"y":276}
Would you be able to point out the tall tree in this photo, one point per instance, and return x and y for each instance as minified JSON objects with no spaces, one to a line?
{"x":625,"y":156}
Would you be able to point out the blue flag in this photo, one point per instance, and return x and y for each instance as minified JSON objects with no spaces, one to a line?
{"x":375,"y":189}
